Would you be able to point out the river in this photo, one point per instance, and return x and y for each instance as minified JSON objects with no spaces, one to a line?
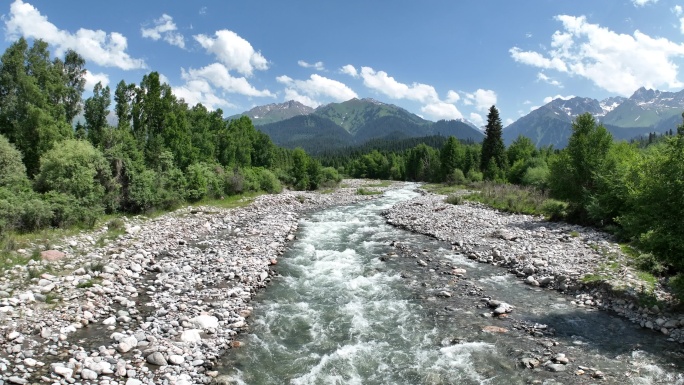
{"x":348,"y":307}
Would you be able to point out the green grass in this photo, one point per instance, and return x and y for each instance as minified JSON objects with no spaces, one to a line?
{"x":363,"y":191}
{"x":511,"y":198}
{"x":384,"y":183}
{"x":442,"y":189}
{"x":232,"y":201}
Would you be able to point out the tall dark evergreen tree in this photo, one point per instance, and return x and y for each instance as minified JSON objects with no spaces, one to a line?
{"x":493,"y":160}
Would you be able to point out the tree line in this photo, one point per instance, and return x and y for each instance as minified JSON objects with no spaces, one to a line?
{"x":159,"y":154}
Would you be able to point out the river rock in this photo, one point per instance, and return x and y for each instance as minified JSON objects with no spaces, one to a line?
{"x":88,"y":374}
{"x":63,"y":371}
{"x":529,"y":362}
{"x":17,"y":380}
{"x":191,"y":336}
{"x":52,"y":255}
{"x":176,"y":359}
{"x":205,"y":321}
{"x":156,"y":358}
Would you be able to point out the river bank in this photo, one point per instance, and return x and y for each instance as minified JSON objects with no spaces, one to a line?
{"x":157,"y":305}
{"x":582,"y":262}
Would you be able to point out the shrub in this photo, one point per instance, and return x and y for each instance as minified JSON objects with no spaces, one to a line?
{"x":197,"y":182}
{"x":75,"y":168}
{"x":234,"y":182}
{"x":329,"y":177}
{"x":474,"y":176}
{"x":12,"y":169}
{"x":536,"y":177}
{"x":269,"y":182}
{"x":454,"y":199}
{"x":555,"y":210}
{"x":143,"y":191}
{"x":455,"y":177}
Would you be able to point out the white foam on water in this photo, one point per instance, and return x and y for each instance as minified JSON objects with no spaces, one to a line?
{"x":648,"y":373}
{"x":342,"y":366}
{"x":497,"y":279}
{"x":457,"y":360}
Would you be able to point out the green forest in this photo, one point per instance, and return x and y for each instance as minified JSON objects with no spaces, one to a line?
{"x":162,"y":153}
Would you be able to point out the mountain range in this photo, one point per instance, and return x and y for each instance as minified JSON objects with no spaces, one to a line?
{"x":354,"y":122}
{"x":626,"y":118}
{"x":357,"y":121}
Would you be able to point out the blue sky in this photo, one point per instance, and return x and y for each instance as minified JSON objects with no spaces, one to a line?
{"x":440,"y":59}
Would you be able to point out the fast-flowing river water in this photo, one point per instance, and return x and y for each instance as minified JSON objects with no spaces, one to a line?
{"x":346,"y":310}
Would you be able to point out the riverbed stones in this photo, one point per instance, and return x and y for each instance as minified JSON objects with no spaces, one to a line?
{"x":156,"y":358}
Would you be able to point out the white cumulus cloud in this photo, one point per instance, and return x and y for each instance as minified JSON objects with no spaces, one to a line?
{"x":200,"y":91}
{"x":452,"y":97}
{"x":310,"y":91}
{"x":165,"y":28}
{"x":349,"y":70}
{"x":442,"y":110}
{"x":380,"y":81}
{"x":477,"y":119}
{"x":100,"y":47}
{"x":218,"y":75}
{"x":92,"y":79}
{"x":616,"y":62}
{"x":318,"y":66}
{"x":481,"y":99}
{"x":233,"y":51}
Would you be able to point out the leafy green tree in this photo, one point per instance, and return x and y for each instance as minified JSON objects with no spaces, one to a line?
{"x":95,"y":112}
{"x":73,"y":70}
{"x":656,"y":201}
{"x":123,"y":97}
{"x":33,"y":115}
{"x":300,"y":167}
{"x":493,"y":160}
{"x":574,"y":173}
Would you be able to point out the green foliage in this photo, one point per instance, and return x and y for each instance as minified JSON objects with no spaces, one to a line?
{"x":77,"y":169}
{"x":455,"y":178}
{"x":676,"y":284}
{"x":555,"y":210}
{"x":656,"y":202}
{"x":12,"y":170}
{"x":493,"y":161}
{"x":268,"y":182}
{"x":454,"y":199}
{"x":510,"y":198}
{"x":475,"y":176}
{"x":330,"y":177}
{"x":574,"y":173}
{"x":365,"y":191}
{"x":536,"y":177}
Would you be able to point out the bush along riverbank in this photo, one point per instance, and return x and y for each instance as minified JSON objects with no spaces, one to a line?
{"x":157,"y":304}
{"x":579,"y":261}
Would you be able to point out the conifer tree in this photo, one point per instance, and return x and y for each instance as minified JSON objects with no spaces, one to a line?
{"x":493,"y":161}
